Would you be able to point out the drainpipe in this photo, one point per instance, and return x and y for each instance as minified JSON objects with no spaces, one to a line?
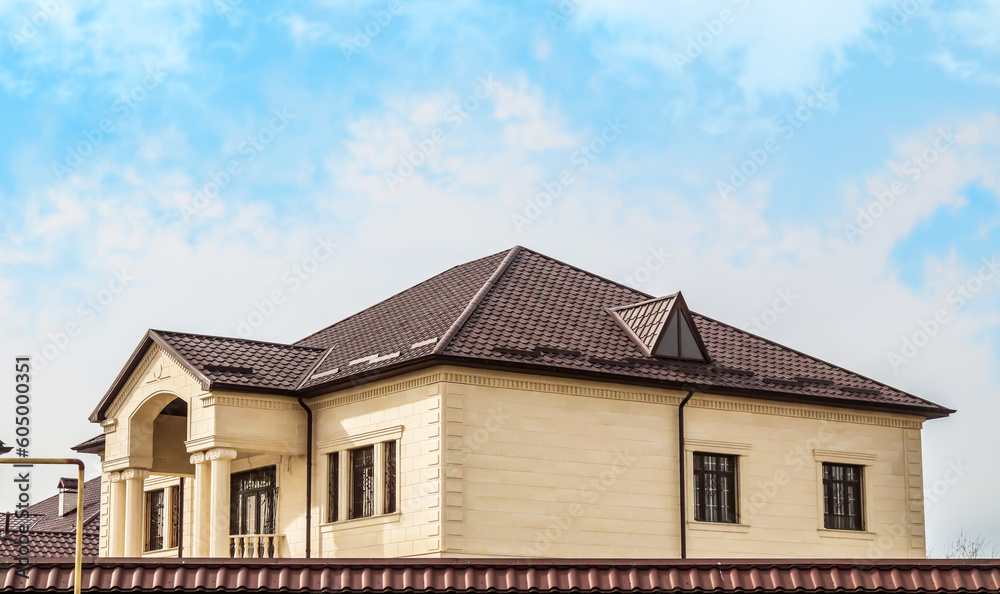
{"x":309,"y":474}
{"x":681,"y":458}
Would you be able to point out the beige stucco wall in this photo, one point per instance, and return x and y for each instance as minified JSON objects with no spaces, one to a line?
{"x":509,"y":464}
{"x":549,"y":467}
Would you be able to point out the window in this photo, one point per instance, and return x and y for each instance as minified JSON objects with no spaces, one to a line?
{"x":362,"y":482}
{"x":162,"y":519}
{"x":368,"y":477}
{"x":253,"y":497}
{"x":714,"y":488}
{"x":842,"y":496}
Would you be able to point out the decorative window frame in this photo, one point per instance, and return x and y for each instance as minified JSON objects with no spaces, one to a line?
{"x":863,"y":459}
{"x":342,"y":447}
{"x":730,"y":448}
{"x":170,"y":485}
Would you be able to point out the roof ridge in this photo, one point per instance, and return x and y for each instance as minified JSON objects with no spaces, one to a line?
{"x":268,"y":342}
{"x":593,"y":274}
{"x":824,"y":362}
{"x":394,"y":295}
{"x":470,"y":307}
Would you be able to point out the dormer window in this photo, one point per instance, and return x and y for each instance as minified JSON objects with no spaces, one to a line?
{"x":663,"y":328}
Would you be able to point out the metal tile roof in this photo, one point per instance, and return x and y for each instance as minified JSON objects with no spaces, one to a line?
{"x":53,"y":535}
{"x":646,"y":319}
{"x":522,"y":310}
{"x":512,"y":575}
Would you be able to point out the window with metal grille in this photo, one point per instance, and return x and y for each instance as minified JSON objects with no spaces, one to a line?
{"x":175,"y":516}
{"x":333,"y":504}
{"x":253,"y":499}
{"x":714,"y":488}
{"x":842,"y":496}
{"x":362,"y":503}
{"x":155,"y":524}
{"x":389,"y":456}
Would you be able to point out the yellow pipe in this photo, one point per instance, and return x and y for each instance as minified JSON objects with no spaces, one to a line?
{"x":77,"y":577}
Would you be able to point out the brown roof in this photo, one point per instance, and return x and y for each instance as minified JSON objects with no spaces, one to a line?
{"x":511,"y":575}
{"x":523,"y":311}
{"x":53,"y":535}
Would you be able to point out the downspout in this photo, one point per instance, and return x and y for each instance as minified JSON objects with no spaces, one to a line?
{"x":681,"y":458}
{"x":309,"y":474}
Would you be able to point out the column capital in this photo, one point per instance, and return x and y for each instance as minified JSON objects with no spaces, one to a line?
{"x":134,"y":473}
{"x":114,"y":477}
{"x":198,"y":458}
{"x":220,"y":454}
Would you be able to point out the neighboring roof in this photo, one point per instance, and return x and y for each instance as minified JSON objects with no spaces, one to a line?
{"x":93,"y":445}
{"x":53,"y":535}
{"x":523,"y":311}
{"x":621,"y":576}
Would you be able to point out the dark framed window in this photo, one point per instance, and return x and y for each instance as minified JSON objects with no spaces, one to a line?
{"x":333,"y":504}
{"x":389,"y":455}
{"x":715,"y":488}
{"x":842,"y":496}
{"x":161,"y":522}
{"x":253,"y":499}
{"x":155,"y":524}
{"x":362,"y":502}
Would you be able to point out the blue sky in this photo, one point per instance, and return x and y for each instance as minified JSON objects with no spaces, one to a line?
{"x":191,"y":154}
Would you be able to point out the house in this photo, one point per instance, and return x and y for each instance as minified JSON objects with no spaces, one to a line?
{"x":512,"y":406}
{"x":50,"y":524}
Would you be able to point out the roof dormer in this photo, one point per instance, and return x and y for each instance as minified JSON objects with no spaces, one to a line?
{"x":663,"y":328}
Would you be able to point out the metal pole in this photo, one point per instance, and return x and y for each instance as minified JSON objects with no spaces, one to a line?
{"x":77,"y":578}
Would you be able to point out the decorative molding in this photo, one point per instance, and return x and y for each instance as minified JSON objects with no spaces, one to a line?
{"x":198,"y":458}
{"x":114,"y":477}
{"x":258,"y":402}
{"x":706,"y":400}
{"x":359,"y":440}
{"x":158,"y":373}
{"x":845,"y":457}
{"x":140,"y":372}
{"x":134,"y":473}
{"x":109,"y":425}
{"x":248,"y":445}
{"x":720,"y":447}
{"x":220,"y":454}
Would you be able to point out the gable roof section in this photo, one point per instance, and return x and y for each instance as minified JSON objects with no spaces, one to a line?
{"x":219,"y":362}
{"x":522,"y":310}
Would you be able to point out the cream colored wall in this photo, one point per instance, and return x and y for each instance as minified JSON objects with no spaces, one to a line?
{"x":409,"y":407}
{"x":560,"y":468}
{"x":515,"y":465}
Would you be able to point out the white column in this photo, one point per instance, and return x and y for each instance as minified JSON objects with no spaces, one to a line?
{"x":202,"y":500}
{"x":116,"y":515}
{"x":134,"y":510}
{"x":220,"y":459}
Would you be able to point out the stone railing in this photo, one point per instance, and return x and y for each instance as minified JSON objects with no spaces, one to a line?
{"x":252,"y":546}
